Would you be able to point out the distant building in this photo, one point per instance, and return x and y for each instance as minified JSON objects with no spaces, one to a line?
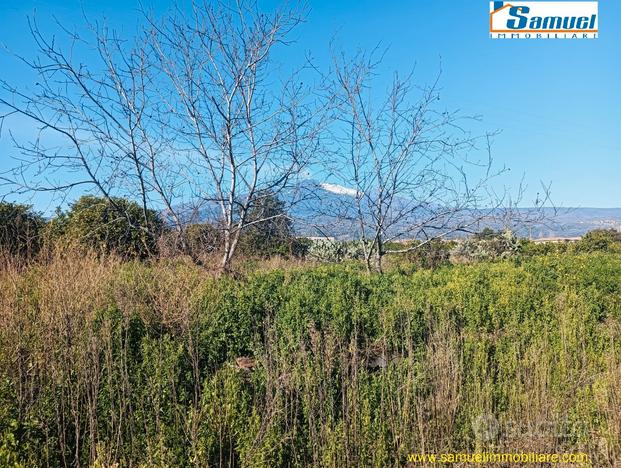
{"x":319,"y":238}
{"x":542,"y":240}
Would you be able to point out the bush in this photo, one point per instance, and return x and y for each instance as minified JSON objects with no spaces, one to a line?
{"x":198,"y":241}
{"x":487,"y":234}
{"x":270,"y":232}
{"x":599,"y":240}
{"x":335,"y":251}
{"x":20,"y":229}
{"x":531,"y":249}
{"x":489,"y":246}
{"x":117,"y":227}
{"x":434,"y":254}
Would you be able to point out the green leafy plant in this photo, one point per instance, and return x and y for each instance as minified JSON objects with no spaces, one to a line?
{"x":488,"y":245}
{"x":334,"y":251}
{"x":104,"y":362}
{"x":117,"y":226}
{"x":20,"y":229}
{"x":599,"y":240}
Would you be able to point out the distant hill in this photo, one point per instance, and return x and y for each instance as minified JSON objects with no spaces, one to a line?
{"x":575,"y":222}
{"x":560,"y":222}
{"x":314,"y":205}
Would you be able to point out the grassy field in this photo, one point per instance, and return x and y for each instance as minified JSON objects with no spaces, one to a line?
{"x":161,"y":364}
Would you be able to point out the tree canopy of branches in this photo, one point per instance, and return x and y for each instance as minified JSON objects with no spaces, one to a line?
{"x":195,"y":119}
{"x":405,"y":160}
{"x":192,"y":116}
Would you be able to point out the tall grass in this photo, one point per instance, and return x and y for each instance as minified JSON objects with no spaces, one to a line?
{"x":105,"y":363}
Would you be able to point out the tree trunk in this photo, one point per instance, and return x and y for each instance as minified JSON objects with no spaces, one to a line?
{"x":379,"y":254}
{"x":378,"y":262}
{"x":225,"y":263}
{"x":231,"y":239}
{"x":373,"y":258}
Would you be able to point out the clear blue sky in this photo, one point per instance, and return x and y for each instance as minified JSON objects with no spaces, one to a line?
{"x":557,"y":102}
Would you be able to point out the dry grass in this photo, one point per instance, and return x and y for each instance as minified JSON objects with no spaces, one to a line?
{"x":166,"y":364}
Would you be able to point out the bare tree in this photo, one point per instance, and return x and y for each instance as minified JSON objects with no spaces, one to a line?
{"x":99,"y":125}
{"x":405,"y":161}
{"x":248,"y":130}
{"x":195,"y":118}
{"x":192,"y":116}
{"x":540,"y":213}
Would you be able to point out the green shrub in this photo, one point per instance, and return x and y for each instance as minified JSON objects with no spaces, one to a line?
{"x":20,"y":229}
{"x":200,"y":241}
{"x":530,"y":248}
{"x":202,"y":238}
{"x":118,"y":226}
{"x":434,"y":254}
{"x":599,"y":240}
{"x":270,"y":229}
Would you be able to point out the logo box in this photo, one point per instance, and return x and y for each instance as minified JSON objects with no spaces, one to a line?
{"x":543,"y":20}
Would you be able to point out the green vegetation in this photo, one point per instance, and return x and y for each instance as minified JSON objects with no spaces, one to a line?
{"x":20,"y":229}
{"x":160,"y":364}
{"x":334,"y":251}
{"x":130,"y":337}
{"x":600,"y":240}
{"x":117,"y":226}
{"x":487,"y":245}
{"x":269,"y":231}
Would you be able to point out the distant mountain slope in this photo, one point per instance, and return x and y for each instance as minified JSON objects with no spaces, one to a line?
{"x":561,"y":222}
{"x":326,"y":209}
{"x":575,"y":222}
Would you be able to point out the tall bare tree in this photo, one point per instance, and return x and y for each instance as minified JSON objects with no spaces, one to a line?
{"x":405,"y":162}
{"x":192,"y":116}
{"x":250,"y":130}
{"x":93,"y":122}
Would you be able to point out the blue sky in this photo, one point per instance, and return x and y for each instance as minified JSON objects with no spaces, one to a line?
{"x":557,"y":102}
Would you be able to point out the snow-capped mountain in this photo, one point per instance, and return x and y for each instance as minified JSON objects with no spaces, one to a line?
{"x":328,"y":209}
{"x":338,"y":189}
